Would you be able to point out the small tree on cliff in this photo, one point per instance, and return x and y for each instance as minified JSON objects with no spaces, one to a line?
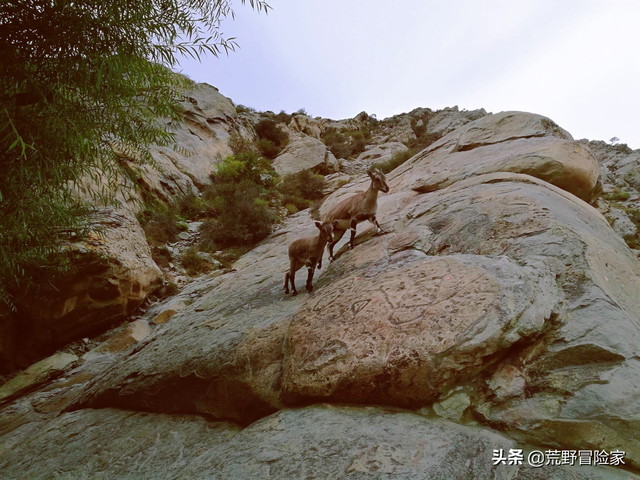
{"x":78,"y":76}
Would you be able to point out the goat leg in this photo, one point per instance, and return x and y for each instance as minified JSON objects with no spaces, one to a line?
{"x":310,"y":279}
{"x":354,"y":223}
{"x":292,"y":279}
{"x":375,"y":222}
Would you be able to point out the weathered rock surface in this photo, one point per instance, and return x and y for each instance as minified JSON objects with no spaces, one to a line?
{"x":122,"y":339}
{"x":402,"y":131}
{"x":621,"y":223}
{"x":322,"y":441}
{"x":36,"y":375}
{"x":115,"y":273}
{"x":110,"y":444}
{"x":305,"y":124}
{"x":620,"y":164}
{"x":494,"y":299}
{"x":505,"y":142}
{"x":338,"y":442}
{"x":381,"y":153}
{"x":304,"y":153}
{"x":203,"y":138}
{"x":512,"y":305}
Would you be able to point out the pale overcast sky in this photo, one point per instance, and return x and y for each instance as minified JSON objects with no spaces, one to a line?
{"x":574,"y":61}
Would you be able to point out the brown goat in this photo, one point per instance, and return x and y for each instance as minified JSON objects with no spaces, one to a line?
{"x":356,"y":209}
{"x":307,"y":252}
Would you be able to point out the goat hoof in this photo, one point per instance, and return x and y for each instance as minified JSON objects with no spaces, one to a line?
{"x":294,"y":293}
{"x":310,"y":289}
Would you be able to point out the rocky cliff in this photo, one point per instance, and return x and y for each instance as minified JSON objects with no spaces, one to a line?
{"x":498,"y":311}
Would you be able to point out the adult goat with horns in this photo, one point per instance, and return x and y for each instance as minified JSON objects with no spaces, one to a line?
{"x":355,"y":209}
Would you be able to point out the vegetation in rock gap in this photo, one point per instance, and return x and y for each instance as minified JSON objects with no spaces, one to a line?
{"x":283,"y":117}
{"x":240,"y":199}
{"x":346,"y":143}
{"x":244,"y":109}
{"x":423,"y":137}
{"x":300,"y":190}
{"x":239,"y":209}
{"x":243,"y":215}
{"x":617,"y":194}
{"x":395,"y":161}
{"x":272,"y":139}
{"x":195,"y":264}
{"x":79,"y":78}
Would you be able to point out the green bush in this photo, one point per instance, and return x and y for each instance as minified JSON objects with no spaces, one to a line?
{"x":239,"y":144}
{"x":283,"y":117}
{"x":268,"y":149}
{"x":304,"y":184}
{"x":193,"y":263}
{"x":243,"y":166}
{"x":268,"y":129}
{"x":160,"y":223}
{"x":244,"y":109}
{"x":243,"y":217}
{"x":161,"y":255}
{"x":423,"y":141}
{"x":190,"y":206}
{"x":345,"y":144}
{"x":358,"y":143}
{"x":395,"y":161}
{"x":300,"y":189}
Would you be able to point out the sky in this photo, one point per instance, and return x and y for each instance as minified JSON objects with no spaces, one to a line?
{"x":574,"y":61}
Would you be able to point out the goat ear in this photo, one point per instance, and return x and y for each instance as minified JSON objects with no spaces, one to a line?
{"x":319,"y":225}
{"x":370,"y":173}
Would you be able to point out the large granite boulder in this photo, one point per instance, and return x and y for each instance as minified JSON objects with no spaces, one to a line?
{"x":305,"y":124}
{"x":505,"y":142}
{"x":112,"y":444}
{"x":202,"y":139}
{"x":498,"y":283}
{"x":381,"y":153}
{"x":322,"y":441}
{"x":494,"y":299}
{"x":114,"y":273}
{"x":303,"y":153}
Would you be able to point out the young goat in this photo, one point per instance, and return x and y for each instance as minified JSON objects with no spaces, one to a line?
{"x":356,"y":209}
{"x":307,"y":252}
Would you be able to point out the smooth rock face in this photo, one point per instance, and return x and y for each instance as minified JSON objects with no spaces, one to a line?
{"x":512,"y":303}
{"x":110,"y":444}
{"x":37,"y":374}
{"x":122,"y":339}
{"x":506,"y":142}
{"x":301,"y":154}
{"x":323,"y":441}
{"x":504,"y":126}
{"x":345,"y":442}
{"x":493,"y":298}
{"x":203,"y":134}
{"x":381,"y":153}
